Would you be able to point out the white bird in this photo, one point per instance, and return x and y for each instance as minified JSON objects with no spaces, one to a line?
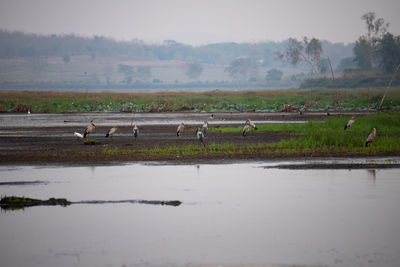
{"x":245,"y":129}
{"x":180,"y":129}
{"x":349,"y":123}
{"x":78,"y":135}
{"x":29,"y":111}
{"x":135,"y":131}
{"x":370,"y":138}
{"x":89,"y":129}
{"x":205,"y":127}
{"x":112,"y":131}
{"x":252,"y":124}
{"x":199,"y":135}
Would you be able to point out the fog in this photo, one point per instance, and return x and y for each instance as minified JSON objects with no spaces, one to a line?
{"x":198,"y":22}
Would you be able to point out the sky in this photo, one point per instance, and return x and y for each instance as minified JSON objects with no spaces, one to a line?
{"x":198,"y":22}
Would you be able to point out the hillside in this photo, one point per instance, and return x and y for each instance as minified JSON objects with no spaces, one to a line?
{"x":52,"y":62}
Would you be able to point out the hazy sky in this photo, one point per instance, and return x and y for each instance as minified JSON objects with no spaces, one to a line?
{"x":198,"y":22}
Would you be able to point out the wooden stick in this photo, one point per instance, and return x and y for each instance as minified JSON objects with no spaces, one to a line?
{"x":334,"y":81}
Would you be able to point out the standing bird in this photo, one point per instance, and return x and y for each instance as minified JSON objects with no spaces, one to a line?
{"x":245,"y":129}
{"x":135,"y":131}
{"x":78,"y":135}
{"x":199,"y":135}
{"x":370,"y":138}
{"x":89,"y":129}
{"x":349,"y":123}
{"x":252,"y":124}
{"x":180,"y":129}
{"x":205,"y":127}
{"x":112,"y":131}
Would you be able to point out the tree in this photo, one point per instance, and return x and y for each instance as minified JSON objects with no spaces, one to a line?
{"x":365,"y":49}
{"x":127,"y":71}
{"x":389,"y":51}
{"x":323,"y":65}
{"x":307,"y":51}
{"x":130,"y":72}
{"x":194,"y":70}
{"x":346,"y":63}
{"x":274,"y":75}
{"x":242,"y":68}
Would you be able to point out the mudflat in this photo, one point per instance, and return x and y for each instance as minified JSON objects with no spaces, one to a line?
{"x":46,"y":138}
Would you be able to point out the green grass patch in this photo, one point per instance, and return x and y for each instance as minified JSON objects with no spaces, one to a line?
{"x":330,"y":135}
{"x":215,"y":101}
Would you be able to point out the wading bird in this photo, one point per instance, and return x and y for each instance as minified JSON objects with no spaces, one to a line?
{"x":78,"y":135}
{"x":370,"y":138}
{"x":205,"y":127}
{"x":245,"y":129}
{"x":180,"y":129}
{"x":135,"y":131}
{"x":252,"y":124}
{"x":349,"y":123}
{"x":112,"y":131}
{"x":89,"y":129}
{"x":199,"y":135}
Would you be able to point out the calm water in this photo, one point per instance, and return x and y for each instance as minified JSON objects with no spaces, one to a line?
{"x":231,"y":214}
{"x":125,"y":119}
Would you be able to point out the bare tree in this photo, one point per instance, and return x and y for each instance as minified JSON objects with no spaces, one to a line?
{"x":309,"y":50}
{"x":365,"y":49}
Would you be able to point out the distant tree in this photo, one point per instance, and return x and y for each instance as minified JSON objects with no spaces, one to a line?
{"x":375,"y":26}
{"x":66,"y":59}
{"x":142,"y":72}
{"x":194,"y":70}
{"x":242,"y":68}
{"x":346,"y":63}
{"x":127,"y":71}
{"x":389,"y":51}
{"x":323,"y":66}
{"x":131,"y":72}
{"x":365,"y":49}
{"x":306,"y":51}
{"x":274,"y":75}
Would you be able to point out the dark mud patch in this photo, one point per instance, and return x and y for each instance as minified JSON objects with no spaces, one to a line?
{"x":15,"y":203}
{"x":336,"y":166}
{"x":19,"y":183}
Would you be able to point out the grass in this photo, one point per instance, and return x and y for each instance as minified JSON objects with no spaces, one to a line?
{"x":327,"y":137}
{"x":212,"y":101}
{"x":330,"y":135}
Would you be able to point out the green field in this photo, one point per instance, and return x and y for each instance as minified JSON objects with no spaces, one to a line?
{"x":322,"y":138}
{"x":212,"y":101}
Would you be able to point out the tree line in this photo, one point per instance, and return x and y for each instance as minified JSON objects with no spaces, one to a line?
{"x":19,"y":44}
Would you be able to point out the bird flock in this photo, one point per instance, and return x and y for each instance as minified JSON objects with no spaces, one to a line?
{"x":201,"y":132}
{"x":370,"y":137}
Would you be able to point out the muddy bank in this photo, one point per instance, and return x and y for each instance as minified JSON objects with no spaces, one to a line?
{"x":58,"y":144}
{"x":322,"y":166}
{"x":14,"y":202}
{"x":49,"y":138}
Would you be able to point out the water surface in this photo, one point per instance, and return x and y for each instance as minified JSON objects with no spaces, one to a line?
{"x":231,"y":214}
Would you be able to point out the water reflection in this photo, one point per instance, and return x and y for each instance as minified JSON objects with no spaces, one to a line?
{"x":373,"y":174}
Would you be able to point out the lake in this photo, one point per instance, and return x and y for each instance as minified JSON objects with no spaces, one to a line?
{"x":235,"y":213}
